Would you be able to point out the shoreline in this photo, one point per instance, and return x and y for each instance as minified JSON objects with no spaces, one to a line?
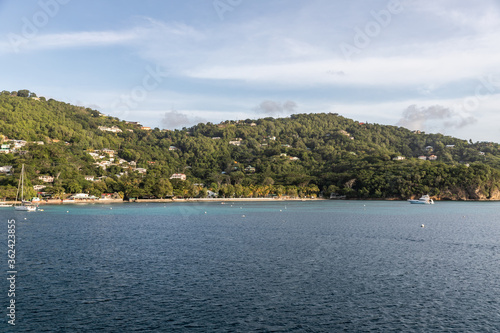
{"x":115,"y":201}
{"x":222,"y":200}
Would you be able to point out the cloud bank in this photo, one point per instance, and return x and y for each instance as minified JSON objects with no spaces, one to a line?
{"x":435,"y":116}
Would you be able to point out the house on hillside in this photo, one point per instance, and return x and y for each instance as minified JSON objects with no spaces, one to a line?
{"x":180,"y":176}
{"x":136,"y":123}
{"x":212,"y":194}
{"x":250,"y":169}
{"x":19,"y":143}
{"x":113,"y":129}
{"x":110,"y":152}
{"x":6,"y":169}
{"x":398,"y":158}
{"x":46,"y":179}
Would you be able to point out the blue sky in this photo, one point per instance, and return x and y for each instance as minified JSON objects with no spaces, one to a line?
{"x":421,"y":64}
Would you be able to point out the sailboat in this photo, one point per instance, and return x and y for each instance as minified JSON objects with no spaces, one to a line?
{"x":25,"y":205}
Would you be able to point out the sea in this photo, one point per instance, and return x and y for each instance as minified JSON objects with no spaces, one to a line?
{"x":279,"y":266}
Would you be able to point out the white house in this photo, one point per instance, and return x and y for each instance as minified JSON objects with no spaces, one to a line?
{"x":83,"y":196}
{"x":180,"y":176}
{"x":46,"y":179}
{"x":6,"y":169}
{"x":212,"y":194}
{"x":113,"y":129}
{"x":250,"y":169}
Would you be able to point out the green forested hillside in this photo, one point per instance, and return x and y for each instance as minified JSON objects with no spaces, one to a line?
{"x":301,"y":155}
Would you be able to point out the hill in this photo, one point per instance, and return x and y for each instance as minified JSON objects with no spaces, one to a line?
{"x":71,"y":149}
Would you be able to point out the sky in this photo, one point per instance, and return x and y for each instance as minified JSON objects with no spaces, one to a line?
{"x":426,"y":65}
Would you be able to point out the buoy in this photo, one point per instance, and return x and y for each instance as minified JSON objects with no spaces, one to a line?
{"x":242,"y":215}
{"x":422,"y":226}
{"x":25,"y":218}
{"x":67,"y":211}
{"x":205,"y":212}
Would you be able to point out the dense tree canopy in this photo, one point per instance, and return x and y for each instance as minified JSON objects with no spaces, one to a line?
{"x":301,"y":155}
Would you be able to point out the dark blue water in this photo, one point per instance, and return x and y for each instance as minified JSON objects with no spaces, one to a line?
{"x":256,"y":267}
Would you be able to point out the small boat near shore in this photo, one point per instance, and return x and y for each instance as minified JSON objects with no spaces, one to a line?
{"x":424,"y":200}
{"x":3,"y":204}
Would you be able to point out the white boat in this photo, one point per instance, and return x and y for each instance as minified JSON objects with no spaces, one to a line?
{"x":424,"y":200}
{"x":25,"y":206}
{"x":3,"y":204}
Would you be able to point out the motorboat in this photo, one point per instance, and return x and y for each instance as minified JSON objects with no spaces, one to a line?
{"x":424,"y":200}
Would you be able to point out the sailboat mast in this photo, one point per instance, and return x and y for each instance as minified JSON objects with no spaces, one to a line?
{"x":22,"y":183}
{"x":18,"y":186}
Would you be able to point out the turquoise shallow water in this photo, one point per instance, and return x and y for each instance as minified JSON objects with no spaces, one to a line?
{"x":257,"y":267}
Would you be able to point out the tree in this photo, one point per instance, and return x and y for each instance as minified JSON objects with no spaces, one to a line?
{"x":23,"y":93}
{"x":162,"y":188}
{"x":268,"y":181}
